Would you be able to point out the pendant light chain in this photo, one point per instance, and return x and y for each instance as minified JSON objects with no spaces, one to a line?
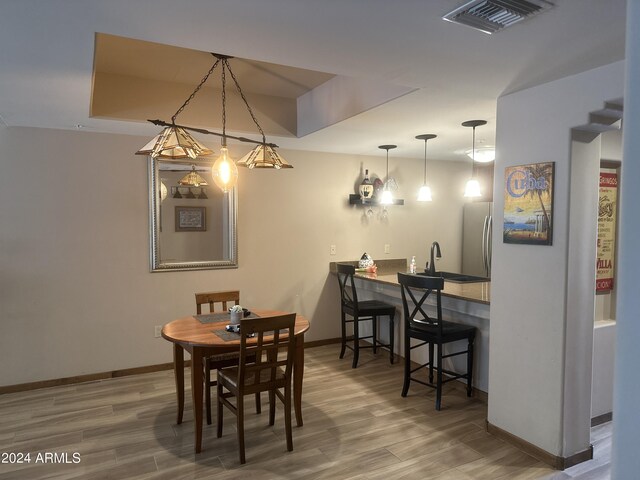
{"x":425,"y":161}
{"x":473,"y":154}
{"x":224,"y":103}
{"x":244,"y":99}
{"x":197,"y":89}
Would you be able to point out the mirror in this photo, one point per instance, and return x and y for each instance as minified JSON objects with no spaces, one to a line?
{"x":192,"y":227}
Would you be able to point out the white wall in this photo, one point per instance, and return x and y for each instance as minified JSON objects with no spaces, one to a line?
{"x":625,"y":461}
{"x":529,"y":330}
{"x":76,"y":295}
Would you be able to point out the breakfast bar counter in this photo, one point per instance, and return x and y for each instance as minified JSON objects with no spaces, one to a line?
{"x":466,"y":303}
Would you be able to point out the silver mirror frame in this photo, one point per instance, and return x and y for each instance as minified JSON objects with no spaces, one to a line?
{"x":156,"y":264}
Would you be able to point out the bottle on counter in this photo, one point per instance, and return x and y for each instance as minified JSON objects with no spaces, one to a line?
{"x":412,"y":265}
{"x":366,"y":187}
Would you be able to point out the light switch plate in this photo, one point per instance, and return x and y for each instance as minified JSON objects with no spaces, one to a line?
{"x":387,"y":248}
{"x":332,"y":249}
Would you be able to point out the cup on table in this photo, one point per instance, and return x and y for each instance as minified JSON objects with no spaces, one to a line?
{"x":235,"y":317}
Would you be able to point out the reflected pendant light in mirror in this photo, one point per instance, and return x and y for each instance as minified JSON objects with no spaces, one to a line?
{"x":472,"y":189}
{"x":424,"y":194}
{"x":387,"y":196}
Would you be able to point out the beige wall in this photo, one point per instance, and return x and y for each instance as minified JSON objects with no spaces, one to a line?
{"x":76,"y":295}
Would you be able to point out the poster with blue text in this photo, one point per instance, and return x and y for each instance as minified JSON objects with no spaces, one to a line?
{"x":528,"y":204}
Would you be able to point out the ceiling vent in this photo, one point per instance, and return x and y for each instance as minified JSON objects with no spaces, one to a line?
{"x":490,"y":16}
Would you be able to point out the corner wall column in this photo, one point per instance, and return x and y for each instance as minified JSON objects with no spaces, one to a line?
{"x":626,"y":395}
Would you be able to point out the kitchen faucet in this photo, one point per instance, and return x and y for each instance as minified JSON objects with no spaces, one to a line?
{"x":431,"y":268}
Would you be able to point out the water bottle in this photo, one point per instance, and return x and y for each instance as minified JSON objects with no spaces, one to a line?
{"x":412,"y":265}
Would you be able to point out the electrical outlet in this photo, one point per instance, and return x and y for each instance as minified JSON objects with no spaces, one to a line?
{"x":387,"y":248}
{"x":332,"y":249}
{"x":157,"y":331}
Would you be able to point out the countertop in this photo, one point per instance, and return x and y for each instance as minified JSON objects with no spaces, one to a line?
{"x":479,"y":292}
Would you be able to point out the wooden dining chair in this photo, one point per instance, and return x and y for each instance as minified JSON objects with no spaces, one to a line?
{"x":270,"y":371}
{"x":223,"y":300}
{"x":360,"y":311}
{"x":432,"y":330}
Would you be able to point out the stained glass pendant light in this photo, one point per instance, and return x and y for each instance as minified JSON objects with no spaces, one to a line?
{"x":424,"y":194}
{"x":387,"y":196}
{"x":175,"y":142}
{"x":193,"y":179}
{"x":472,"y":189}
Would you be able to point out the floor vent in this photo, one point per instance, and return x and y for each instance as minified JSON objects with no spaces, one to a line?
{"x":490,"y":16}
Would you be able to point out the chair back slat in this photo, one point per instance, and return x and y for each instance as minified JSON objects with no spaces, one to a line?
{"x":348,"y":294}
{"x":415,"y":290}
{"x":213,"y":298}
{"x":273,"y":349}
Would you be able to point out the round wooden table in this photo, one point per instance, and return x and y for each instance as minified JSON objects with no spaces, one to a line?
{"x":200,"y":341}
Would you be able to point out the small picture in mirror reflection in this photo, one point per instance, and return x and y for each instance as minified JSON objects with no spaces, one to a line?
{"x":191,"y":219}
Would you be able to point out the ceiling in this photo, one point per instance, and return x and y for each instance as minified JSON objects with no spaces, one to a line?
{"x":433,"y":75}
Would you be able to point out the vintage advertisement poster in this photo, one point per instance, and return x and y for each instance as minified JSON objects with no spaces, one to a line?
{"x":528,"y":204}
{"x":607,"y":204}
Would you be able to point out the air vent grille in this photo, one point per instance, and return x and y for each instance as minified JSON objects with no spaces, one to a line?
{"x":490,"y":16}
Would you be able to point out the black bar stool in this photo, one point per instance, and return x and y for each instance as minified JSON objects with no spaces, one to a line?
{"x":361,"y":311}
{"x":433,"y":331}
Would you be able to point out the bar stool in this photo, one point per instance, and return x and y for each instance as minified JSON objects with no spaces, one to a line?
{"x":360,"y":311}
{"x":432,"y":331}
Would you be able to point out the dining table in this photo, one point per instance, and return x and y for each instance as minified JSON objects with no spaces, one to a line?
{"x":206,"y":335}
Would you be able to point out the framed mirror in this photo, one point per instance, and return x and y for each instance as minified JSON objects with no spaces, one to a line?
{"x":192,"y":223}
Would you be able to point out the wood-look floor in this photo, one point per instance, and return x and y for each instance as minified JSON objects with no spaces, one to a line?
{"x":356,"y":426}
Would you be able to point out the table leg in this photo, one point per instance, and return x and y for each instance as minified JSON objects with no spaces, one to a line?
{"x":197,"y":365}
{"x":298,"y":372}
{"x":178,"y":371}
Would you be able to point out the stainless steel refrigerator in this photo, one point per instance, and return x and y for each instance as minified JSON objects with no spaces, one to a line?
{"x":476,"y":238}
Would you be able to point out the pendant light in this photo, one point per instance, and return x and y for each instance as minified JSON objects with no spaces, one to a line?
{"x":472,"y":189}
{"x":193,"y":179}
{"x":175,"y":142}
{"x":387,"y":196}
{"x":424,"y":194}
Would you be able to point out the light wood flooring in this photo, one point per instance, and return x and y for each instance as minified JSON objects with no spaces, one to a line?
{"x":357,"y":426}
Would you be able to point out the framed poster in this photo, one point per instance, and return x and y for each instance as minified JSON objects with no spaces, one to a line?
{"x":607,"y":205}
{"x":528,"y":204}
{"x":191,"y":219}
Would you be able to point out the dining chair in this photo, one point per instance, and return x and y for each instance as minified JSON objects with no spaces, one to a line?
{"x":432,"y":330}
{"x":359,"y":311}
{"x":224,"y":300}
{"x":269,"y":371}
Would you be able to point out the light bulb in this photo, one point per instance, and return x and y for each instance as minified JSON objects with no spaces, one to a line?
{"x":424,"y":194}
{"x":472,"y":189}
{"x":387,"y":198}
{"x":224,"y":171}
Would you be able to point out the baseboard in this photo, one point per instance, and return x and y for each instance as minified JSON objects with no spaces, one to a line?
{"x":557,"y":462}
{"x":600,"y":419}
{"x":92,"y":377}
{"x":319,"y":343}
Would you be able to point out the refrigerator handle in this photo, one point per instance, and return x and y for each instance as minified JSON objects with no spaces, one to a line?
{"x":489,"y":241}
{"x":484,"y":244}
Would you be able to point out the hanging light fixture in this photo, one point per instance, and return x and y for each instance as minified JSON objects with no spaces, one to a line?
{"x":175,"y":142}
{"x":472,"y":189}
{"x":387,"y":196}
{"x":193,"y":179}
{"x":424,"y":194}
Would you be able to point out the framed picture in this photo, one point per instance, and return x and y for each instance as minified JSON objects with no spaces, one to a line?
{"x":528,"y":204}
{"x":191,"y":219}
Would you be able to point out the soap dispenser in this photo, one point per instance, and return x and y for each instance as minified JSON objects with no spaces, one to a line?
{"x":412,"y":265}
